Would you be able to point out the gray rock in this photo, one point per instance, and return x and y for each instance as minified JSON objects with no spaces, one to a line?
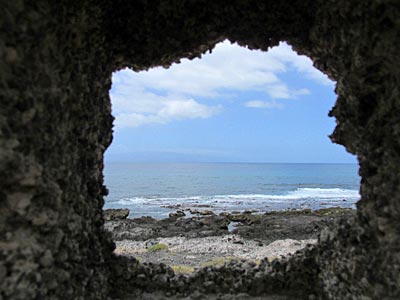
{"x":115,"y":214}
{"x":177,"y":214}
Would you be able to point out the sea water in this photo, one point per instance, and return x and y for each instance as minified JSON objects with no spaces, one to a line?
{"x":156,"y":189}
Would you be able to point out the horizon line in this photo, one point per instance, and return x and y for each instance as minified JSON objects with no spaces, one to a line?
{"x":225,"y":162}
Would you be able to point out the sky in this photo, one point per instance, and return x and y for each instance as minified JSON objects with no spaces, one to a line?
{"x":232,"y":105}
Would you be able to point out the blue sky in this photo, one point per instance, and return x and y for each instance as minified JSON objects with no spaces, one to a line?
{"x":232,"y":105}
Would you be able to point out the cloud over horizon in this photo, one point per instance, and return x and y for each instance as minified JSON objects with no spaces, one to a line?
{"x":263,"y":104}
{"x":197,"y":89}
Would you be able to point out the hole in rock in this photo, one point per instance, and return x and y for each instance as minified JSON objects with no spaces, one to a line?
{"x":223,"y":158}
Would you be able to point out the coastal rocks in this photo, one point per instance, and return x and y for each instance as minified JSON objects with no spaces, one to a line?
{"x":201,"y":212}
{"x":177,"y":214}
{"x":293,"y":224}
{"x":207,"y":251}
{"x":175,"y":206}
{"x":199,"y":241}
{"x":206,"y":213}
{"x":232,"y":276}
{"x":134,"y":233}
{"x":149,"y":228}
{"x":215,"y":221}
{"x":238,"y":217}
{"x":266,"y":227}
{"x":115,"y":214}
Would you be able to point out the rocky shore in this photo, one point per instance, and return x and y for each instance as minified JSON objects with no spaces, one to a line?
{"x":189,"y":243}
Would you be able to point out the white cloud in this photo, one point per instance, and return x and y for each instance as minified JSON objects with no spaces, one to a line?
{"x":301,"y":92}
{"x":159,"y":96}
{"x":169,"y":110}
{"x":135,"y":105}
{"x":229,"y":67}
{"x":263,"y":104}
{"x":301,"y":63}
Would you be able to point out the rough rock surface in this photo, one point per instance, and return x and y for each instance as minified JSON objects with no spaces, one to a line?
{"x":196,"y":241}
{"x":56,"y":61}
{"x":299,"y":225}
{"x":268,"y":227}
{"x":115,"y":214}
{"x":197,"y":252}
{"x":146,"y":228}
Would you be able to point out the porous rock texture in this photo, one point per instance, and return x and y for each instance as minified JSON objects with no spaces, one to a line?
{"x":115,"y":214}
{"x":56,"y":61}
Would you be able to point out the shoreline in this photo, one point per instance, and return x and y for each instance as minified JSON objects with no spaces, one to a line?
{"x":189,"y":243}
{"x":191,"y":254}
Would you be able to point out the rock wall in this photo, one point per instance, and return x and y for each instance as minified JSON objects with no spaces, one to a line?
{"x":356,"y":43}
{"x":56,"y":61}
{"x":55,"y":124}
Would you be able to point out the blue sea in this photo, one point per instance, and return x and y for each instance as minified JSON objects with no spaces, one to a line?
{"x":148,"y":188}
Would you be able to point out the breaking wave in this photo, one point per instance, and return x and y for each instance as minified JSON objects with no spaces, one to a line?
{"x":305,"y":194}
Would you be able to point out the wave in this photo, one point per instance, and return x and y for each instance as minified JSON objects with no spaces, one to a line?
{"x":310,"y":194}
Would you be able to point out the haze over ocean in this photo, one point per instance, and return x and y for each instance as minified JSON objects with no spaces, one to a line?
{"x":146,"y":188}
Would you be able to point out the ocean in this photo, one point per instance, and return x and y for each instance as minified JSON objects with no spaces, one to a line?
{"x":147,"y":189}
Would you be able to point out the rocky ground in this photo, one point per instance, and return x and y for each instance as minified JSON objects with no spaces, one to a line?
{"x":199,"y":296}
{"x":203,"y":239}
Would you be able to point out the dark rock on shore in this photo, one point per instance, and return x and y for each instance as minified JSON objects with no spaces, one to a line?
{"x":224,"y":259}
{"x":115,"y":214}
{"x":145,"y":228}
{"x":177,"y":214}
{"x":268,"y":227}
{"x":175,"y":206}
{"x":201,"y":212}
{"x":296,"y":224}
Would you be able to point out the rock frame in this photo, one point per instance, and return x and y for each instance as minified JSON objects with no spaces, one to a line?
{"x":56,"y":61}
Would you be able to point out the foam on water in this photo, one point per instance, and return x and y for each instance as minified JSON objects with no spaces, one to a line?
{"x":315,"y":194}
{"x":157,"y":189}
